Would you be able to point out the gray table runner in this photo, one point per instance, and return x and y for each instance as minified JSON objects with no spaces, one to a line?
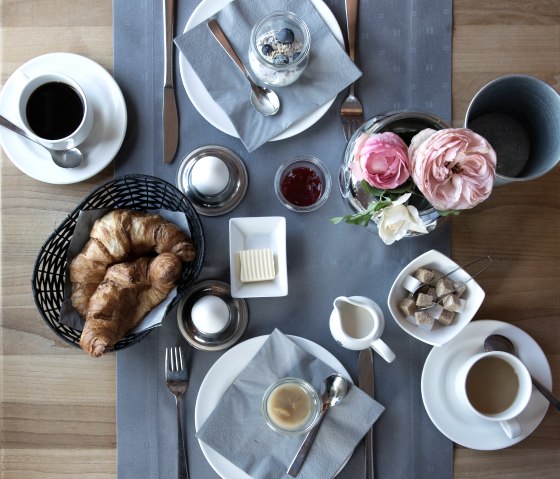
{"x":405,"y":55}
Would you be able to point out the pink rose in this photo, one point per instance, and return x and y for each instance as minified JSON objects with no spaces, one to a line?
{"x":381,"y":159}
{"x":454,"y":168}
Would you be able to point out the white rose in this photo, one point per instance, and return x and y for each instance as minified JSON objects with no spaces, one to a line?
{"x":394,"y":221}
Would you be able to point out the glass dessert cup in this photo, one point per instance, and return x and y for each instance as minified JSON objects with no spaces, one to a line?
{"x":291,"y":406}
{"x":279,"y":49}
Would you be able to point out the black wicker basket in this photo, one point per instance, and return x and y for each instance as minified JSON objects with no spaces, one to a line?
{"x":136,"y":192}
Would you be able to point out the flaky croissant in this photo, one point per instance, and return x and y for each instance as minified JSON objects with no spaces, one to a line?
{"x":122,"y":235}
{"x":126,"y":294}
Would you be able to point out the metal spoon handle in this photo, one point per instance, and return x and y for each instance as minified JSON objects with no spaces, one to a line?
{"x":226,"y":45}
{"x":16,"y":129}
{"x":546,"y":393}
{"x":305,"y":447}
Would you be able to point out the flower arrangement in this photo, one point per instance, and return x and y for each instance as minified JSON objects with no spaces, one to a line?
{"x":452,"y":168}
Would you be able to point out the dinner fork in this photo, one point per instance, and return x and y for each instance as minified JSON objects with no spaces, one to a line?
{"x":351,"y":111}
{"x":177,"y":378}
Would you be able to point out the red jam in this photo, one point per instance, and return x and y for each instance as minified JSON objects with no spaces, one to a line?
{"x":301,"y":186}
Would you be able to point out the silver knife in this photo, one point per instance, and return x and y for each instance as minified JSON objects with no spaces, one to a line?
{"x":169,"y":111}
{"x":365,"y":382}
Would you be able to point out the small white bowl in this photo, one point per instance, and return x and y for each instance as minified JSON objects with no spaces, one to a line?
{"x":439,"y":334}
{"x":258,"y":233}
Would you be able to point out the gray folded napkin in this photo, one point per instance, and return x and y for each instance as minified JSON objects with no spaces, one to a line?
{"x":237,"y":430}
{"x":329,"y":70}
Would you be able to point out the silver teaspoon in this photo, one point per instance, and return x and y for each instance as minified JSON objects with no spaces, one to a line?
{"x":63,"y":158}
{"x":334,"y":390}
{"x":265,"y":101}
{"x":497,"y":342}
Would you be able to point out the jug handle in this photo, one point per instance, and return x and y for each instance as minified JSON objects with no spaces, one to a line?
{"x":383,"y":350}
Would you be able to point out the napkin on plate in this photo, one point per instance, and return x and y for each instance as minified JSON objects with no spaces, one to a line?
{"x":329,"y":70}
{"x":237,"y":430}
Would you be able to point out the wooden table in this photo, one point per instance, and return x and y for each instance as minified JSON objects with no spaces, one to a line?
{"x":58,"y":412}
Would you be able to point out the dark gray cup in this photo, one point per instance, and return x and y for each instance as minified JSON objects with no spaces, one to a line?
{"x":520,"y":116}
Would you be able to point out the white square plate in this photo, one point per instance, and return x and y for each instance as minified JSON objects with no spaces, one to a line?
{"x":258,"y":233}
{"x":439,"y":335}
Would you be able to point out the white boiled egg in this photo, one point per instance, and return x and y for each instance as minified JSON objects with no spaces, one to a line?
{"x":210,"y":314}
{"x":209,"y":175}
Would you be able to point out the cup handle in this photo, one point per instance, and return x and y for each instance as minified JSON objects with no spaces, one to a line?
{"x":383,"y":350}
{"x":511,"y":427}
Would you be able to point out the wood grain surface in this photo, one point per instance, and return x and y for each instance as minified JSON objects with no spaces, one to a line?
{"x":58,"y":418}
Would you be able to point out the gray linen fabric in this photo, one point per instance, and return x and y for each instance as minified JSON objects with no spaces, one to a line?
{"x":329,"y":70}
{"x":250,"y":448}
{"x":404,"y":52}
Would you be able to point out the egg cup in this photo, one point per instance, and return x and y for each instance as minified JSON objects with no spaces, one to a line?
{"x":235,"y":186}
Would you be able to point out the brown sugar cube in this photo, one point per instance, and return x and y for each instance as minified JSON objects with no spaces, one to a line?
{"x":424,"y":275}
{"x":424,"y":320}
{"x":437,"y":276}
{"x":432,"y":293}
{"x":424,"y":300}
{"x":444,"y":286}
{"x":446,"y":317}
{"x":407,"y":306}
{"x":452,"y":303}
{"x":460,"y":288}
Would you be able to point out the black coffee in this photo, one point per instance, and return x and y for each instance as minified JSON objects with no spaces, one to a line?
{"x":54,"y":110}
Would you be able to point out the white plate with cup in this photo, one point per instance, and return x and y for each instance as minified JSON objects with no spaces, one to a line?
{"x":100,"y":135}
{"x":203,"y":101}
{"x":224,"y":372}
{"x":443,"y":397}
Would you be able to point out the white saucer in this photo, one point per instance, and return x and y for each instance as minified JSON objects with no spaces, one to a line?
{"x":109,"y":123}
{"x":222,"y":374}
{"x":203,"y":101}
{"x":442,"y":404}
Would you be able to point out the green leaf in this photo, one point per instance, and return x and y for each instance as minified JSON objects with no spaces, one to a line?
{"x":371,"y":190}
{"x":450,"y":213}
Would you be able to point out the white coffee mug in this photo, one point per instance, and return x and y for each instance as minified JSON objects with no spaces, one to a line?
{"x":357,"y":323}
{"x":496,"y":386}
{"x":54,"y":110}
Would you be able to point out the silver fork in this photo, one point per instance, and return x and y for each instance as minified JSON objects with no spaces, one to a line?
{"x":351,"y":111}
{"x":177,"y":378}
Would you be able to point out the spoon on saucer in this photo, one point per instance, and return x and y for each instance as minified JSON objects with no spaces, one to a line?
{"x":334,"y":389}
{"x":265,"y":101}
{"x":497,"y":342}
{"x":63,"y":158}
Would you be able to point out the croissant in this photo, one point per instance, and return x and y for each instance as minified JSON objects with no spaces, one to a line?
{"x":122,"y":235}
{"x":126,"y":294}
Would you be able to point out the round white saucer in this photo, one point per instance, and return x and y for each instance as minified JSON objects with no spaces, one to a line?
{"x":109,"y":122}
{"x":203,"y":101}
{"x":443,"y":405}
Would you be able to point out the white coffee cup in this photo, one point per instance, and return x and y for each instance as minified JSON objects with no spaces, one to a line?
{"x":496,"y":386}
{"x":357,"y":323}
{"x":54,"y":110}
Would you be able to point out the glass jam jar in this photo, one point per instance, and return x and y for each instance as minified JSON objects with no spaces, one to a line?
{"x":279,"y":48}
